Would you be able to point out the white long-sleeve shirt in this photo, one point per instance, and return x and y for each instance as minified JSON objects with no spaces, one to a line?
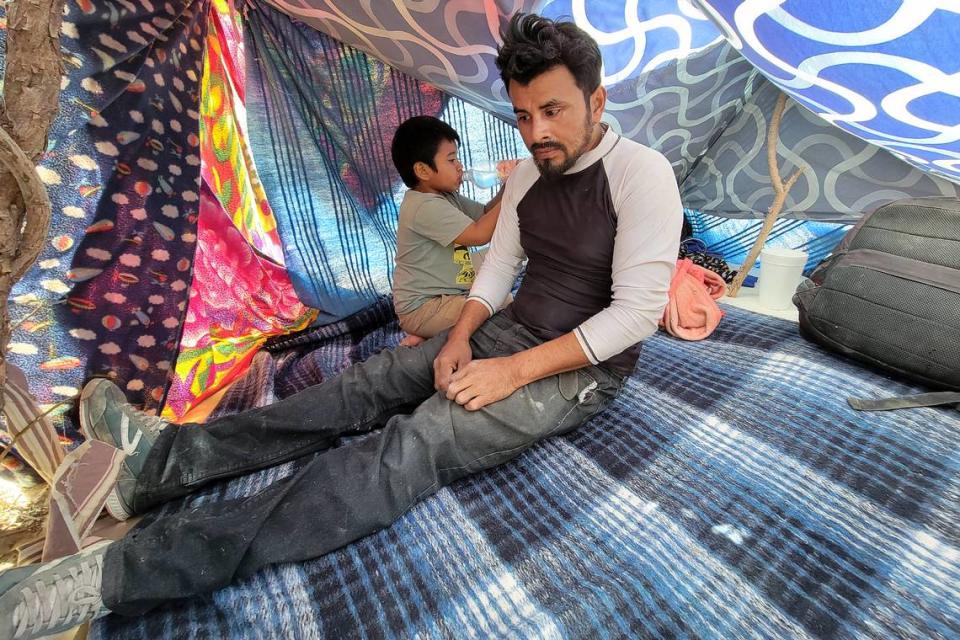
{"x":602,"y":244}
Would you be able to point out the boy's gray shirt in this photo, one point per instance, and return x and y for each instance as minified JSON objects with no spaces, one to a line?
{"x":428,"y":264}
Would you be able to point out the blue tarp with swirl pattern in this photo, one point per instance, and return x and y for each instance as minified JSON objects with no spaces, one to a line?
{"x":681,"y":77}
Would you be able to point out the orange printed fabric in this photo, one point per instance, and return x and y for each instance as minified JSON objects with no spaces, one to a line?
{"x":241,"y":294}
{"x":225,"y":160}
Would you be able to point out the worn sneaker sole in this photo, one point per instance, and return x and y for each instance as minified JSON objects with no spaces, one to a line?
{"x":116,"y":507}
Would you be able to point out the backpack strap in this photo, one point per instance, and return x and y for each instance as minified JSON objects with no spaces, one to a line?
{"x":935,"y":399}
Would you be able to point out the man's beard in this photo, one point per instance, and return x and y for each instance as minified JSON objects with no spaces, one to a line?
{"x":550,"y":171}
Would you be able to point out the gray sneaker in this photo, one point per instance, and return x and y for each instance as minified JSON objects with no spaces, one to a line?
{"x":106,"y":416}
{"x":43,"y":599}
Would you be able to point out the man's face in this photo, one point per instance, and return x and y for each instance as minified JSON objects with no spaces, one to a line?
{"x":554,"y":120}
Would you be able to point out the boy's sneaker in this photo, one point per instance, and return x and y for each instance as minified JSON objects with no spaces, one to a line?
{"x":106,"y":416}
{"x":43,"y":599}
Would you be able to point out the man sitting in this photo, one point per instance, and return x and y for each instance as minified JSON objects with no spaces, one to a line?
{"x":598,"y":217}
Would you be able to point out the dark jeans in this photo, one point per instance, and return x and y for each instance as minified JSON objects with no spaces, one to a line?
{"x":345,"y":492}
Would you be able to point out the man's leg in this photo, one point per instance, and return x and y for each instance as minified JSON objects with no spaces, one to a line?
{"x":55,"y":596}
{"x":183,"y":458}
{"x":339,"y":496}
{"x":343,"y":493}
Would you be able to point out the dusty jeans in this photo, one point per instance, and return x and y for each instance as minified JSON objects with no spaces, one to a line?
{"x":345,"y":492}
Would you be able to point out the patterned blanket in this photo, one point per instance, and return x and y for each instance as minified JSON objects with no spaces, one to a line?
{"x":729,"y":492}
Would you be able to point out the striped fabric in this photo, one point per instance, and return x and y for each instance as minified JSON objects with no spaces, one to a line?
{"x":321,"y":119}
{"x":729,"y":492}
{"x":78,"y":495}
{"x":35,"y":439}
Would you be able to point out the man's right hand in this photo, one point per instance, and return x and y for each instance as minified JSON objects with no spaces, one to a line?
{"x":456,"y":353}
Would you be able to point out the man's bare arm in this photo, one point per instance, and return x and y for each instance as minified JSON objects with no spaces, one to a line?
{"x":550,"y":358}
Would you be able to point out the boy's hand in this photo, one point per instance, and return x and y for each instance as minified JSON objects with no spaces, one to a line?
{"x":505,"y":168}
{"x":483,"y":382}
{"x":455,"y":355}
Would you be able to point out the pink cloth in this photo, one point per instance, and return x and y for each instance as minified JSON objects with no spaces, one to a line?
{"x":692,"y":312}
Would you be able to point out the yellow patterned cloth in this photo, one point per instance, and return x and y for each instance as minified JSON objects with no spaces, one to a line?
{"x":241,"y":293}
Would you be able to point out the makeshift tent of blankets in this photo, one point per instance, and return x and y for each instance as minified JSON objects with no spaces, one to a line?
{"x":224,"y":223}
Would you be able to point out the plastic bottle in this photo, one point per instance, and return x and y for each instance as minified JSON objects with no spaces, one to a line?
{"x":487,"y":175}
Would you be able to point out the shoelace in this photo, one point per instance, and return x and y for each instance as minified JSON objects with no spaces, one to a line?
{"x":76,"y":594}
{"x":152,"y":424}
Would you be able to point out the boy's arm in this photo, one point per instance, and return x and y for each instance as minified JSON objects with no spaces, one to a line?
{"x":495,"y":200}
{"x":481,"y":231}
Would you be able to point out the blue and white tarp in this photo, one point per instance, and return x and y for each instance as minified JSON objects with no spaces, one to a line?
{"x":886,"y":71}
{"x":691,"y":80}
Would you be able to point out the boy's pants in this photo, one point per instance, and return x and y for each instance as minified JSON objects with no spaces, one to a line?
{"x":434,"y":316}
{"x":343,"y":493}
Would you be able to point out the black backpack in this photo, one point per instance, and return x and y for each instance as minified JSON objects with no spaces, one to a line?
{"x":889,"y":296}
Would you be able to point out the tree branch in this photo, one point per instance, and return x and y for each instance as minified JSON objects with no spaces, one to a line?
{"x":780,"y":190}
{"x":31,"y":90}
{"x":36,"y":203}
{"x":773,"y":140}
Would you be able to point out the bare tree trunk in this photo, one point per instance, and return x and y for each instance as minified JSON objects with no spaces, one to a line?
{"x":31,"y":90}
{"x":780,"y":189}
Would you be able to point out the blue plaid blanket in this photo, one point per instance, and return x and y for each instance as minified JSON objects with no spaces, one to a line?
{"x":729,"y":492}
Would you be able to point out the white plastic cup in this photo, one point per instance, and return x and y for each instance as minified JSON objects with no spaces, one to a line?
{"x":781,"y":270}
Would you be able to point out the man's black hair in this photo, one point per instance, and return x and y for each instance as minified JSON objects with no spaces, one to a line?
{"x":417,"y":140}
{"x":532,"y":45}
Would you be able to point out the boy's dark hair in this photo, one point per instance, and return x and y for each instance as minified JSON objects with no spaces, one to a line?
{"x":533,"y":44}
{"x":417,"y":140}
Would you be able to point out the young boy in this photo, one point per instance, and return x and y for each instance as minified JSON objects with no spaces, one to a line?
{"x":434,"y":266}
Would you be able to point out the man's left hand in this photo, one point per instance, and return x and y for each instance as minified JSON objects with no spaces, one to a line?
{"x":483,"y":382}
